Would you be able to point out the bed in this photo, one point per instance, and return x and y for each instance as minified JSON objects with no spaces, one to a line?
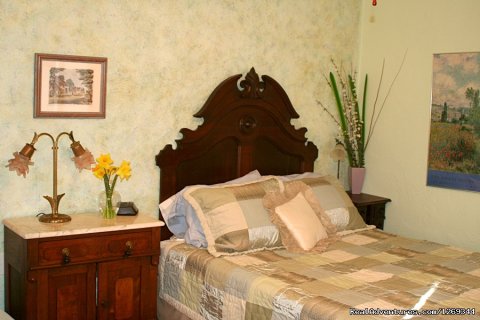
{"x":258,"y":235}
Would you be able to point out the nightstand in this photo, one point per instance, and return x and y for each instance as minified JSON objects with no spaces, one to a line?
{"x":88,"y":268}
{"x":370,"y":207}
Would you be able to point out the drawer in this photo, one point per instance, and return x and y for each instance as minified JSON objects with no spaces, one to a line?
{"x":96,"y":247}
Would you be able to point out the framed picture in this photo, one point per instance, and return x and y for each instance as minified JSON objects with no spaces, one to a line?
{"x":69,"y":86}
{"x":454,"y":149}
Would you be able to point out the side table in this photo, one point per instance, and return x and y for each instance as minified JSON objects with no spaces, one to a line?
{"x":88,"y":268}
{"x":370,"y":207}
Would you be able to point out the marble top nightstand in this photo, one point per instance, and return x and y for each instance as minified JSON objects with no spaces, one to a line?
{"x":56,"y":270}
{"x":82,"y":223}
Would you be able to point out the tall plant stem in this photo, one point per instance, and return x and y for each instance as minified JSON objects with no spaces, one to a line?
{"x":364,"y":107}
{"x":374,"y":118}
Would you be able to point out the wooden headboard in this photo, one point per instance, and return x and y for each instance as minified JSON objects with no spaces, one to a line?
{"x":246,"y":127}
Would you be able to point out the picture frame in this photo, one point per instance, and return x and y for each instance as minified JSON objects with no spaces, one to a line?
{"x":454,"y":146}
{"x":68,"y":86}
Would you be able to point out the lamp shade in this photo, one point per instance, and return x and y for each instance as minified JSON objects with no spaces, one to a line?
{"x":20,"y":163}
{"x":82,"y":157}
{"x":338,"y":153}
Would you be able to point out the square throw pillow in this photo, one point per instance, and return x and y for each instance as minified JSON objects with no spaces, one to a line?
{"x":233,"y":217}
{"x":302,"y":222}
{"x":335,"y":201}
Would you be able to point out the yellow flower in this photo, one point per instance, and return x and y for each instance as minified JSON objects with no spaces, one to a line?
{"x":99,"y":171}
{"x":104,"y":161}
{"x":109,"y":173}
{"x":111,"y":170}
{"x":106,"y":171}
{"x":124,"y":171}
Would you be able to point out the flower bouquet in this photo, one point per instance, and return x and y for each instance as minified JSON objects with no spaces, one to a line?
{"x":109,"y":173}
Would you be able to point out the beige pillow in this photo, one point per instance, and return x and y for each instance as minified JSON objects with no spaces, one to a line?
{"x":233,"y":217}
{"x":335,"y":201}
{"x":303,"y":224}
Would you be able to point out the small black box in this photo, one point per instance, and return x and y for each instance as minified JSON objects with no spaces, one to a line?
{"x":127,"y":209}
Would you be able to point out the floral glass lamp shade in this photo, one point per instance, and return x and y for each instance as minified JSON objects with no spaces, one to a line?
{"x":21,"y":161}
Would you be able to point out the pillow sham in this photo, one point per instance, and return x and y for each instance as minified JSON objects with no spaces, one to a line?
{"x":335,"y":201}
{"x":233,"y":217}
{"x":180,"y":217}
{"x":302,"y":222}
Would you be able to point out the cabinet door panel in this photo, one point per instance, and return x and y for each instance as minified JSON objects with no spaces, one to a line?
{"x":119,"y":287}
{"x":71,"y":293}
{"x":127,"y":289}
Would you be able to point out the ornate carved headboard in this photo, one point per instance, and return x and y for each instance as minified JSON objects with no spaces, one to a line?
{"x":246,"y":127}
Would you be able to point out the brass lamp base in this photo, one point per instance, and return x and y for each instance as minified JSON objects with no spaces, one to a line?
{"x":51,"y":218}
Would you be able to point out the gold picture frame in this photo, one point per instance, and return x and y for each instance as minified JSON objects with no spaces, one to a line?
{"x":69,"y":86}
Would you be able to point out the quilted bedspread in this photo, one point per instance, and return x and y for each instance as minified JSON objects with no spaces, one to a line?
{"x":365,"y":275}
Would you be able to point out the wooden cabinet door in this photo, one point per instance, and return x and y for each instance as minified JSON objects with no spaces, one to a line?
{"x":126,"y":288}
{"x":66,"y":293}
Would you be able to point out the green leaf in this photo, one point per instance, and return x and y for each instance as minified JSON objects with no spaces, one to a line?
{"x":340,"y":108}
{"x":343,"y":121}
{"x":364,"y":123}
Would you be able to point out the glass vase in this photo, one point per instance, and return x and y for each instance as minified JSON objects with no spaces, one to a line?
{"x":108,"y":204}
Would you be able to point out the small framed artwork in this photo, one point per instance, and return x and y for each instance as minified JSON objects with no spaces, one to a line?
{"x":69,"y":86}
{"x":454,"y":150}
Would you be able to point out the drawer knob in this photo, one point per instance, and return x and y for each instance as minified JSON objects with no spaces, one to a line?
{"x":128,"y":248}
{"x":66,"y":255}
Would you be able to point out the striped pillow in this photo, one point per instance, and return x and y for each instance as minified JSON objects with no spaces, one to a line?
{"x":233,"y":217}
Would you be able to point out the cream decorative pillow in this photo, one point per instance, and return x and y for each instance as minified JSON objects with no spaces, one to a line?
{"x":303,"y":224}
{"x":335,"y":201}
{"x":233,"y":217}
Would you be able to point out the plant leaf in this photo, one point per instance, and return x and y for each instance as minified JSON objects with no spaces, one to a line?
{"x":343,"y":121}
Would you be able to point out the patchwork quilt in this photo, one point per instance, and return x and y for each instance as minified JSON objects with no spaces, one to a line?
{"x":365,"y":275}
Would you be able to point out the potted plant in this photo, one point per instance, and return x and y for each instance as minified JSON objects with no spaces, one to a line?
{"x":354,"y":133}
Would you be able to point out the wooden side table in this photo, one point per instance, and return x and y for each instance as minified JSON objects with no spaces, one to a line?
{"x":89,"y":268}
{"x":370,"y":207}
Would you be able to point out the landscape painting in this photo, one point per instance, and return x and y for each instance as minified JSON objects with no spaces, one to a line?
{"x":454,"y":149}
{"x":71,"y":86}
